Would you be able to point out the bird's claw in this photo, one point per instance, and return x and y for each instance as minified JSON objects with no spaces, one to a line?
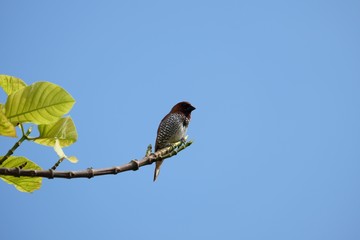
{"x":183,"y":141}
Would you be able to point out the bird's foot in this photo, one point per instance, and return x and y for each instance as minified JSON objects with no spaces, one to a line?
{"x":183,"y":141}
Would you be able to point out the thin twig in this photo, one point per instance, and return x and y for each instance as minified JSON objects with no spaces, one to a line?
{"x":57,"y":163}
{"x":17,"y":144}
{"x":89,"y":173}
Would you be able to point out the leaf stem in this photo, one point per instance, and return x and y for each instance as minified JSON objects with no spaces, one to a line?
{"x":25,"y":136}
{"x":57,"y":163}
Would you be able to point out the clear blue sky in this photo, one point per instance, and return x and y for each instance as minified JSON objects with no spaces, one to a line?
{"x":277,"y":90}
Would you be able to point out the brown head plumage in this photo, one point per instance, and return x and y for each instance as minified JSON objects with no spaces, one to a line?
{"x":183,"y":107}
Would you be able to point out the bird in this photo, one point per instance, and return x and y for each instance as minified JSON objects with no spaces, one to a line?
{"x":172,"y":129}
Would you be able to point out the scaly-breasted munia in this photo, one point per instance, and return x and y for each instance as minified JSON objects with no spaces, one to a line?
{"x":172,"y":129}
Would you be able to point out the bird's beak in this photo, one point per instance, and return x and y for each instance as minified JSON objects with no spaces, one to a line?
{"x":191,"y":108}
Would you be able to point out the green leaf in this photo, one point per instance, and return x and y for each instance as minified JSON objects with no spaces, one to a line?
{"x":6,"y":128}
{"x":63,"y":130}
{"x":23,"y":184}
{"x":39,"y":103}
{"x":11,"y":84}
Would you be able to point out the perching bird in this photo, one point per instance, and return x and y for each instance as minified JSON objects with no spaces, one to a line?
{"x":172,"y":129}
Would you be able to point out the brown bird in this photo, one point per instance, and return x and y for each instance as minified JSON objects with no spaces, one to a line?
{"x":172,"y":129}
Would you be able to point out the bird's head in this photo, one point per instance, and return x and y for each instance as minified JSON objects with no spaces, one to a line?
{"x":183,"y":107}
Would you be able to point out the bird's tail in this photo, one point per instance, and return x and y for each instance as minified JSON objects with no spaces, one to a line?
{"x":157,"y":169}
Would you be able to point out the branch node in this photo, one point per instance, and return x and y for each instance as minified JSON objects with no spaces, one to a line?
{"x":151,"y":158}
{"x":51,"y":171}
{"x":115,"y":170}
{"x":135,"y":164}
{"x":17,"y":172}
{"x":70,"y":175}
{"x":91,"y":172}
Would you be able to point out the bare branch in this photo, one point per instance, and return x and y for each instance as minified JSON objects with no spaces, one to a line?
{"x":89,"y":173}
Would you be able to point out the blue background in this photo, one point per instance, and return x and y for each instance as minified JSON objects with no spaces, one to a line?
{"x":276,"y":130}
